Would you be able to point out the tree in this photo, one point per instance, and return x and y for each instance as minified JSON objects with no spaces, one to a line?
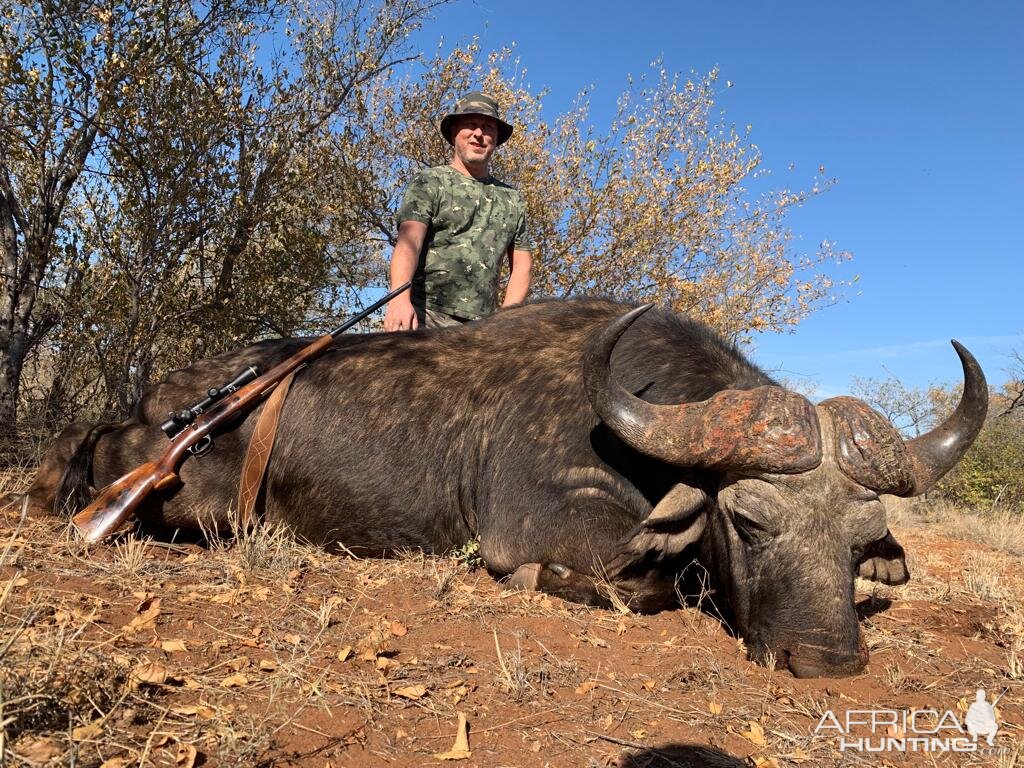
{"x":64,"y":69}
{"x":653,"y":207}
{"x":1015,"y":386}
{"x":158,"y":198}
{"x":912,"y":410}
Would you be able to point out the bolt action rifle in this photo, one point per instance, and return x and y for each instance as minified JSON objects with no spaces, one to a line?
{"x":191,"y":432}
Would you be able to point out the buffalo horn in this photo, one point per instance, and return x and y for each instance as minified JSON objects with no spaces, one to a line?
{"x":934,"y":453}
{"x":766,"y":429}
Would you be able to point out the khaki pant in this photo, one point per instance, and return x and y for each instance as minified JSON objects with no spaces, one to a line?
{"x":434,"y":319}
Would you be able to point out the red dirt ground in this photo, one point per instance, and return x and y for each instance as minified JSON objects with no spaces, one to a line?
{"x":271,"y":653}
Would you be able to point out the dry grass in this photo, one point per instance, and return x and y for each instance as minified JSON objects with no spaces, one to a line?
{"x":259,"y":650}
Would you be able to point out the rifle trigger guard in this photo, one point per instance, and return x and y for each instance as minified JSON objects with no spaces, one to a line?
{"x":203,"y":447}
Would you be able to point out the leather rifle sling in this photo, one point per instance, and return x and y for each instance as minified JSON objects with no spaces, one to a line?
{"x":257,"y":455}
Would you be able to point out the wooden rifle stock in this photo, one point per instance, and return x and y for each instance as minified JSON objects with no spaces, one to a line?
{"x":118,"y":501}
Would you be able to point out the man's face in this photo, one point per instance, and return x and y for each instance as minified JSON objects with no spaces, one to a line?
{"x":475,"y":138}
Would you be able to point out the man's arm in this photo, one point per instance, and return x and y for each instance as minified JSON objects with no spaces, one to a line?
{"x":520,"y":263}
{"x":400,"y":314}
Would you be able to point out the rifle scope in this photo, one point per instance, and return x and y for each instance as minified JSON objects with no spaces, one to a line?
{"x":178,"y":421}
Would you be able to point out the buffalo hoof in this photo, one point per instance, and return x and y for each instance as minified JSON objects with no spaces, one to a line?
{"x":805,"y":668}
{"x":531,"y":577}
{"x":525,"y":578}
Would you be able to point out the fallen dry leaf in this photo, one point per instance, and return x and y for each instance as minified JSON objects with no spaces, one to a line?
{"x":460,"y":749}
{"x":586,"y":687}
{"x":86,"y":732}
{"x":40,"y":750}
{"x":345,"y":653}
{"x":116,"y":762}
{"x":714,"y":708}
{"x":372,"y":645}
{"x":398,"y":629}
{"x":293,"y":638}
{"x":266,"y":665}
{"x":201,"y":710}
{"x":149,"y":673}
{"x":234,"y":681}
{"x":147,"y":618}
{"x":413,"y":692}
{"x":755,"y":734}
{"x":173,"y":646}
{"x":185,"y":756}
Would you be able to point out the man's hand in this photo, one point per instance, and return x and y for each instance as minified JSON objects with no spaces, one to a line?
{"x":400,"y":315}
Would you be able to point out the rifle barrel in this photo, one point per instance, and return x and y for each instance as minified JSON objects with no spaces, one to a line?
{"x":370,"y":310}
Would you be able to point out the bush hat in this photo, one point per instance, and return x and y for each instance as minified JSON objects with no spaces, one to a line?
{"x":475,"y":103}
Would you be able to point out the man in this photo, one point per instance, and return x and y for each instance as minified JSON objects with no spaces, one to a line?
{"x":455,"y":225}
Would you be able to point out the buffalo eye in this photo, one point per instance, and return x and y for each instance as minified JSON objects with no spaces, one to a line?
{"x":751,"y":531}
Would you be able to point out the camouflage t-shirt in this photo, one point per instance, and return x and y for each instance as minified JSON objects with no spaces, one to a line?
{"x":470,"y":225}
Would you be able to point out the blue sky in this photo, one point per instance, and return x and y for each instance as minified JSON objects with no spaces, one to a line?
{"x":916,"y":108}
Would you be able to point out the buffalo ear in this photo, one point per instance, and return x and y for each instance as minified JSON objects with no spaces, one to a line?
{"x":676,"y":522}
{"x":679,"y":505}
{"x":884,"y":561}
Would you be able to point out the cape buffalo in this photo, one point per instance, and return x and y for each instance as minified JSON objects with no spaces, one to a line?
{"x":589,"y":446}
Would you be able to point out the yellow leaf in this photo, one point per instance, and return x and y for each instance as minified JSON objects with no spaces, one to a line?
{"x":40,"y":751}
{"x":398,"y":629}
{"x":413,"y":692}
{"x":235,"y":681}
{"x":150,"y":673}
{"x":86,"y":732}
{"x":714,"y":708}
{"x":146,"y":619}
{"x":200,"y":710}
{"x":173,"y":646}
{"x":372,"y":645}
{"x":586,"y":687}
{"x":267,"y":665}
{"x":186,"y":755}
{"x":345,"y":653}
{"x":755,"y":734}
